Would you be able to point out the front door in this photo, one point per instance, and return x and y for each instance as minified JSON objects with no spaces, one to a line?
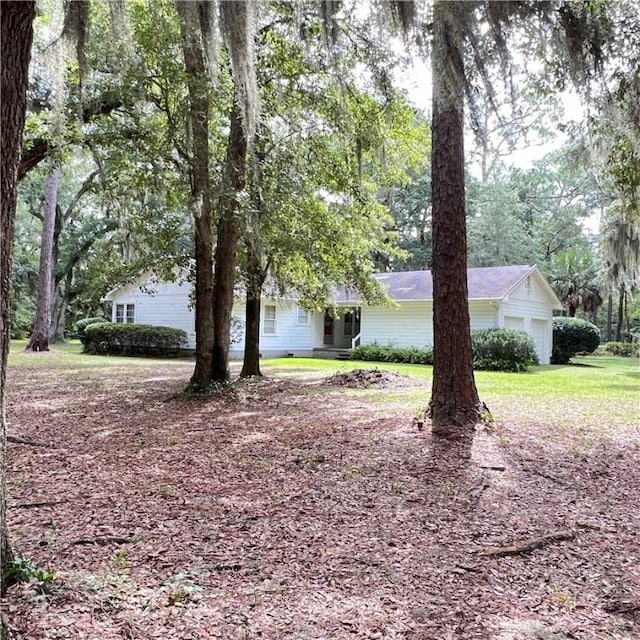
{"x":328,"y":328}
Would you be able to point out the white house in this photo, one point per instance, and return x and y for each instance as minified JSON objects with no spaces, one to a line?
{"x":516,"y":297}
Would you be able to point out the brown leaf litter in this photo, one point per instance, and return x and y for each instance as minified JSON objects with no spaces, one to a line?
{"x":295,"y":510}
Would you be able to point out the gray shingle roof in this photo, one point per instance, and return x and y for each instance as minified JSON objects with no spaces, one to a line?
{"x":485,"y":283}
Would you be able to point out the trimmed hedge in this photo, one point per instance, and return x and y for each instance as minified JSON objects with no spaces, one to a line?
{"x":572,"y":336}
{"x":503,"y":350}
{"x":626,"y":349}
{"x":375,"y":352}
{"x":81,"y":325}
{"x":133,"y":339}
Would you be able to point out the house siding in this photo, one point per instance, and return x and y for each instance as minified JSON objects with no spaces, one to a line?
{"x":411,"y":323}
{"x":408,"y":325}
{"x":530,"y":309}
{"x":290,"y":337}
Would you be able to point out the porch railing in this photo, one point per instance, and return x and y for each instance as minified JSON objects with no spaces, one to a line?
{"x":355,"y":341}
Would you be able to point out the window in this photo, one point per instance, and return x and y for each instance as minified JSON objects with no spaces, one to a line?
{"x":125,"y":313}
{"x":269,"y":320}
{"x":303,"y":316}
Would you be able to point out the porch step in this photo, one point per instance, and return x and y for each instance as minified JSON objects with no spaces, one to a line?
{"x":332,"y":353}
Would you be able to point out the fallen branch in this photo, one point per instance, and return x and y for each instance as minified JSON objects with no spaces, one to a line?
{"x":530,"y":545}
{"x":552,"y":478}
{"x":31,"y":443}
{"x":35,"y":505}
{"x":104,"y":540}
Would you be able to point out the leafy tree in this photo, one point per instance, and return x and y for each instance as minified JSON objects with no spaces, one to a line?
{"x":574,"y":274}
{"x":16,"y":34}
{"x":323,"y":157}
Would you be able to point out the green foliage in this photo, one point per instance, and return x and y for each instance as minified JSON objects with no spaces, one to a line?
{"x":626,"y":349}
{"x":81,"y":325}
{"x":503,"y":350}
{"x":375,"y":352}
{"x":572,"y":336}
{"x":25,"y":570}
{"x":133,"y":339}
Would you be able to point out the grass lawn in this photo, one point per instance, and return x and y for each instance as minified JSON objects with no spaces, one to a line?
{"x":293,"y":508}
{"x":593,"y":393}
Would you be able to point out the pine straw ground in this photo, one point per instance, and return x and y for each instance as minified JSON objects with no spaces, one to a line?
{"x":307,"y":510}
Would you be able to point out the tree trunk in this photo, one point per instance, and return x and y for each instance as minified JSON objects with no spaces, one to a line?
{"x":609,"y":317}
{"x":251,"y":362}
{"x":227,"y":244}
{"x":200,"y":198}
{"x":255,"y":282}
{"x":454,"y":406}
{"x":57,"y":312}
{"x":16,"y":34}
{"x":39,"y":340}
{"x":620,"y":314}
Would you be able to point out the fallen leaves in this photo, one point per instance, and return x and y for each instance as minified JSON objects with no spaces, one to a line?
{"x":277,"y":509}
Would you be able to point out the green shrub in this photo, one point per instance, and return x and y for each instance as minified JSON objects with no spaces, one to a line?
{"x":503,"y":350}
{"x":375,"y":352}
{"x":133,"y":339}
{"x":81,"y":325}
{"x":572,"y":336}
{"x":626,"y":349}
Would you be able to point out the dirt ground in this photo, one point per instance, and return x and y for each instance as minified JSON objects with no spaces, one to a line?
{"x":307,"y":510}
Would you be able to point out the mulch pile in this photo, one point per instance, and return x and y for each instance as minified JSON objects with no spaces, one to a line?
{"x":365,"y":378}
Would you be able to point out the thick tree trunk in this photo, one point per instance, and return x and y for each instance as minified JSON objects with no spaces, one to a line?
{"x":227,"y":244}
{"x":16,"y":34}
{"x":255,"y":282}
{"x":609,"y":317}
{"x":200,"y":200}
{"x":454,"y":406}
{"x":251,"y":362}
{"x":39,"y":340}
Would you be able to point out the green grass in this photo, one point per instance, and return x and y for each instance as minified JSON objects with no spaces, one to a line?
{"x":595,"y":393}
{"x":68,"y":356}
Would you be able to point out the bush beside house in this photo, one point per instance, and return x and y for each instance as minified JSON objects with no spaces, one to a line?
{"x":572,"y":336}
{"x":375,"y":352}
{"x":81,"y":325}
{"x":109,"y":338}
{"x":503,"y":350}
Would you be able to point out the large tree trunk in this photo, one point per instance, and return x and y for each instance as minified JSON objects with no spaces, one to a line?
{"x":200,"y":201}
{"x":251,"y":361}
{"x":16,"y":34}
{"x":255,"y":282}
{"x":40,"y":337}
{"x":227,"y":244}
{"x":454,"y":406}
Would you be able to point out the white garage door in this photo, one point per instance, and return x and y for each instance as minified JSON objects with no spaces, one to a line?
{"x":540,"y":333}
{"x":511,"y":322}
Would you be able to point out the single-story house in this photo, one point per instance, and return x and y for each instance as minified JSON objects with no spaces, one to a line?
{"x":514,"y":297}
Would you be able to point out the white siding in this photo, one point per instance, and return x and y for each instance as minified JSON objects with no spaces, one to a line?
{"x":483,"y":315}
{"x":290,"y":336}
{"x":511,"y":322}
{"x":410,"y":325}
{"x":164,"y":304}
{"x":534,"y":306}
